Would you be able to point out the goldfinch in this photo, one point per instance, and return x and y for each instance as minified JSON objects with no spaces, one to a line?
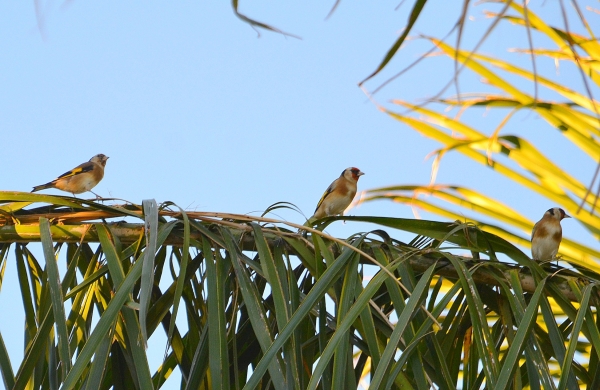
{"x":80,"y":179}
{"x":547,"y":234}
{"x":338,"y":195}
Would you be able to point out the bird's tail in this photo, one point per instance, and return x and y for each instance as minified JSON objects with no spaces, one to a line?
{"x":43,"y":186}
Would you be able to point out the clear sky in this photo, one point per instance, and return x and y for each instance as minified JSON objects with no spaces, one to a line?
{"x":194,"y":106}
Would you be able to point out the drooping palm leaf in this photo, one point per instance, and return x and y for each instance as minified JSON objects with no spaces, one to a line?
{"x":576,"y":118}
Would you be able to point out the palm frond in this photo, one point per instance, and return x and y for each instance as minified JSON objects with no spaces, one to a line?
{"x":268,"y":307}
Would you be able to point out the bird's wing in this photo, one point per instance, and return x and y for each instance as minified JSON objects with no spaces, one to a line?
{"x":533,"y":231}
{"x":85,"y":167}
{"x":328,"y":191}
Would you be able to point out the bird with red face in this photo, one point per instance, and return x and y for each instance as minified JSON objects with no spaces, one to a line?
{"x":547,"y":234}
{"x":80,"y":179}
{"x":338,"y":195}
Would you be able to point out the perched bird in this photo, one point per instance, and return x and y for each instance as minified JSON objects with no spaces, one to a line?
{"x":546,"y":235}
{"x":338,"y":195}
{"x":80,"y":179}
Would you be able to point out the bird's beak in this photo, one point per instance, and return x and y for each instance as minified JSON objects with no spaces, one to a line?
{"x":361,"y":173}
{"x":567,"y":216}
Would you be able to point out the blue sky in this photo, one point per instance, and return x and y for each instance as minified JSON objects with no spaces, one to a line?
{"x":196,"y":107}
{"x":187,"y":95}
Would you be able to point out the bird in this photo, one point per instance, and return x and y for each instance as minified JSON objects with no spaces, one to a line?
{"x":80,"y":179}
{"x":547,"y":234}
{"x":338,"y":195}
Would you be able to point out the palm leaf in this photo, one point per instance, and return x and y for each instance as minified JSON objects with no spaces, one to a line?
{"x":295,"y":309}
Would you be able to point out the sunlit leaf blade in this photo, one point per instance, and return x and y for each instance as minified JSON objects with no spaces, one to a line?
{"x":56,"y":295}
{"x":34,"y":352}
{"x":217,"y":331}
{"x":481,"y":158}
{"x":98,"y":366}
{"x":316,"y":293}
{"x":104,"y":325}
{"x":257,"y":315}
{"x":418,"y":295}
{"x":181,"y":280}
{"x":574,"y":339}
{"x":130,"y":320}
{"x":274,"y":277}
{"x":524,"y":327}
{"x":147,"y":279}
{"x":199,"y":365}
{"x":481,"y":331}
{"x":343,"y":353}
{"x":573,"y":133}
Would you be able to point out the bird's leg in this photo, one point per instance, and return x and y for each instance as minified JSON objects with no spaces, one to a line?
{"x":72,"y":209}
{"x":98,"y":197}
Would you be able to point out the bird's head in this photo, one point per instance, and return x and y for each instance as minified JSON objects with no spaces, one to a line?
{"x":99,"y":159}
{"x":557,"y":213}
{"x":352,"y":173}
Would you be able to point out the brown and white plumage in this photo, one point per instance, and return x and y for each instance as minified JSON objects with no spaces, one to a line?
{"x":338,"y":195}
{"x":80,"y":179}
{"x":547,"y":234}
